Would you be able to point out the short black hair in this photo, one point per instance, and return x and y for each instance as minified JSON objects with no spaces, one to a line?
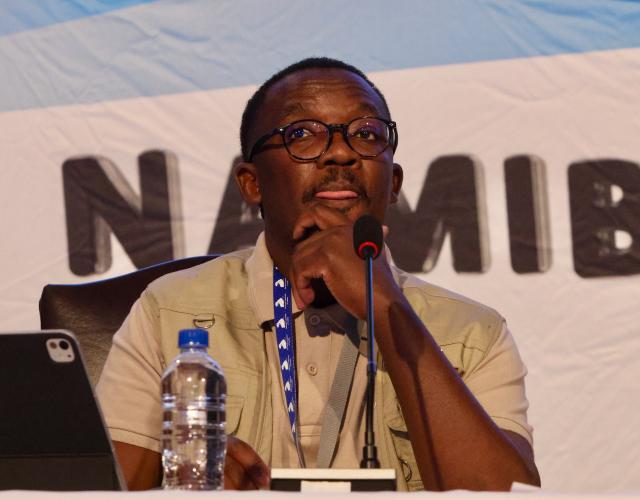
{"x":257,"y":99}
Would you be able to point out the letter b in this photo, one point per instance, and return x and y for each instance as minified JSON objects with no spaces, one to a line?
{"x":605,"y":208}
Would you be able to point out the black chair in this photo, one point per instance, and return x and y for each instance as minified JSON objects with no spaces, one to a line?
{"x":94,"y":311}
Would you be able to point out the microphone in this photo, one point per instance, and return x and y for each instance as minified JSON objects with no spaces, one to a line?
{"x":367,"y":242}
{"x":367,"y":237}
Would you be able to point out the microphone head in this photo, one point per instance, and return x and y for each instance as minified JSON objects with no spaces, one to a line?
{"x":367,"y":237}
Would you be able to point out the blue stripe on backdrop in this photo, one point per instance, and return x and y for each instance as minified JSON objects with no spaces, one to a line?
{"x":172,"y":46}
{"x":22,"y":15}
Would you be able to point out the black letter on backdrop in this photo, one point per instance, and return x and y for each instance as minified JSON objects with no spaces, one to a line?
{"x":605,"y":206}
{"x":98,"y":200}
{"x":238,"y":225}
{"x":528,"y":212}
{"x":452,"y":201}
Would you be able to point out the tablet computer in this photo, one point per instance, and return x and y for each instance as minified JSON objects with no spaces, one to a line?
{"x":52,"y":434}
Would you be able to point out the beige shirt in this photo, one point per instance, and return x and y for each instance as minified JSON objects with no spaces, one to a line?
{"x":317,"y":354}
{"x":234,"y":293}
{"x":319,"y":337}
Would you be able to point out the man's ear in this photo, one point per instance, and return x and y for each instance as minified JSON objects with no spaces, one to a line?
{"x":396,"y":182}
{"x":247,"y":180}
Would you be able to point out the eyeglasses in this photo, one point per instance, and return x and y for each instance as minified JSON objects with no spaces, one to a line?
{"x":309,"y":139}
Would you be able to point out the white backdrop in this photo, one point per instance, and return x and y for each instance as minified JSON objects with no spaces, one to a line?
{"x":557,"y":83}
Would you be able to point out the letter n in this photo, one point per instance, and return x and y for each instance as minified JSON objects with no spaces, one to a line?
{"x":605,"y":211}
{"x":452,"y":202}
{"x":238,"y":225}
{"x":99,"y":200}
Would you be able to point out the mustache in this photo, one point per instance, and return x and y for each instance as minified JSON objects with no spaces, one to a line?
{"x":332,"y":176}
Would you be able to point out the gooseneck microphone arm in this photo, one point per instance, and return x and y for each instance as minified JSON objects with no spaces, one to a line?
{"x":367,"y":240}
{"x":370,"y":452}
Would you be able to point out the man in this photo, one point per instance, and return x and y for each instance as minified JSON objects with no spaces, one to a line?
{"x":318,"y":144}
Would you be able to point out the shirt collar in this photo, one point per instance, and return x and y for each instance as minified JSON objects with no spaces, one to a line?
{"x":260,"y":280}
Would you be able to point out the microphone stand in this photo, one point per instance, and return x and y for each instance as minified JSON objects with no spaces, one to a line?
{"x":370,"y":451}
{"x":367,"y":239}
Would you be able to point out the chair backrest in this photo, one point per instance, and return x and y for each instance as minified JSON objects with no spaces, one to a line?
{"x":94,"y":311}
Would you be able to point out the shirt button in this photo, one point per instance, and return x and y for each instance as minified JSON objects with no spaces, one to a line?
{"x":312,"y":369}
{"x":314,"y":320}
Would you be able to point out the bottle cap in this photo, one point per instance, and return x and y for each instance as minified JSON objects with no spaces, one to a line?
{"x":193,"y":337}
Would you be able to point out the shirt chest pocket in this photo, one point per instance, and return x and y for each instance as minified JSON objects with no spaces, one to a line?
{"x":234,"y":407}
{"x":404,"y":452}
{"x":242,"y":403}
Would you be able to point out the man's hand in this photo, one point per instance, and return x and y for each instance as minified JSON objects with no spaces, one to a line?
{"x":243,"y":468}
{"x":140,"y":467}
{"x":328,"y":254}
{"x":438,"y":408}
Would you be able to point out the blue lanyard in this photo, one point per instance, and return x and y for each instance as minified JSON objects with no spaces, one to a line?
{"x":283,"y":319}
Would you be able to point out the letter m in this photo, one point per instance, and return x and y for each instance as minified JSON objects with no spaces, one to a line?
{"x":452,"y":203}
{"x":99,"y":201}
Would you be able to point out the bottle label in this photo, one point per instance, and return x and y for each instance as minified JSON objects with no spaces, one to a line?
{"x":196,"y":416}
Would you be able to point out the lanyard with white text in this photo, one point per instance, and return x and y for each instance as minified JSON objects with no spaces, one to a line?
{"x":283,"y":319}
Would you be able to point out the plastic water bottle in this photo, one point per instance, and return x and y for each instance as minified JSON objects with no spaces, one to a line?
{"x":193,"y":431}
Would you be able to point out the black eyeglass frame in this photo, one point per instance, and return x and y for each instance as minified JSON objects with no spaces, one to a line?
{"x":343,"y":127}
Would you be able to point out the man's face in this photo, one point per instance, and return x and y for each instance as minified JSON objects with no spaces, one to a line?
{"x":340,"y":178}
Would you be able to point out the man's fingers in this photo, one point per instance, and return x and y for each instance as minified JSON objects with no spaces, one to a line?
{"x":302,"y":292}
{"x":318,"y":216}
{"x":246,"y":469}
{"x":307,"y":264}
{"x":234,"y":476}
{"x":250,"y":461}
{"x":300,"y":302}
{"x":303,"y":295}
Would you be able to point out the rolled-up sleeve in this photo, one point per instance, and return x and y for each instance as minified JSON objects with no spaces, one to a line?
{"x":129,"y":386}
{"x":498,"y":385}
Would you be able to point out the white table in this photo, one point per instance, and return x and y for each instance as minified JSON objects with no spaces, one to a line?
{"x":272,"y":495}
